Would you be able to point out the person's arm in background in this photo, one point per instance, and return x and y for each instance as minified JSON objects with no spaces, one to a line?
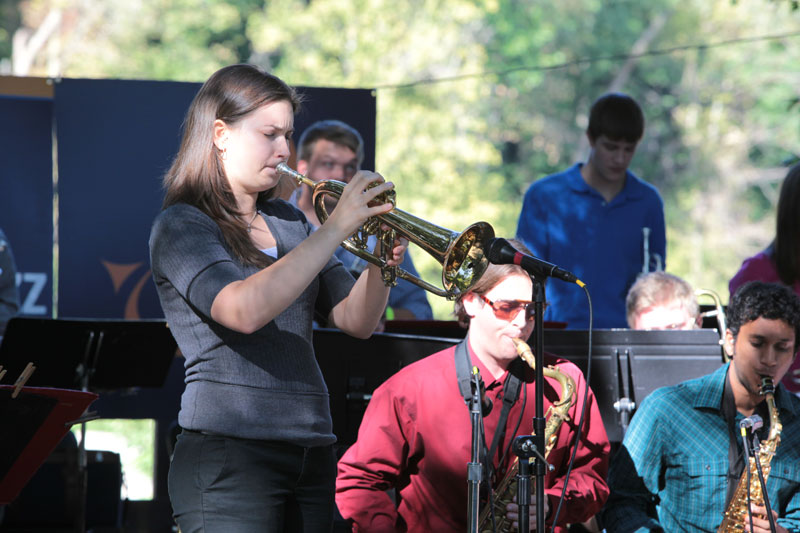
{"x":408,"y":301}
{"x":634,"y":476}
{"x":9,"y":295}
{"x":658,"y":235}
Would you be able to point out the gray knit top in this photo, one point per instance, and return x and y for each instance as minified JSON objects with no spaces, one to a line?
{"x":265,"y":385}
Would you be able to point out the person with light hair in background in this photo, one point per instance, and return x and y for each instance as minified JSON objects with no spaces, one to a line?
{"x":658,"y":300}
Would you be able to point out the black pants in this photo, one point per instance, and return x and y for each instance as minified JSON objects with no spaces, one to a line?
{"x":228,"y":485}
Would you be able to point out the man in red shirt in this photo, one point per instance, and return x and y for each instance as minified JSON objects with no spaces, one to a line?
{"x":416,"y":433}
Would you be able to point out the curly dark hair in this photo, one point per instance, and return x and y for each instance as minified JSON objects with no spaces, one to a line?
{"x":756,"y":299}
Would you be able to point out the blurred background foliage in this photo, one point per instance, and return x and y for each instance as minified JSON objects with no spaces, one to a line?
{"x":478,"y":98}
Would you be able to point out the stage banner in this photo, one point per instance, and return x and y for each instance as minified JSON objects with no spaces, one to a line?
{"x":116,"y":139}
{"x":26,"y":197}
{"x":356,"y":107}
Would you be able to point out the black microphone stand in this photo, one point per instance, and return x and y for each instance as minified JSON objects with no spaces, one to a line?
{"x":474,"y":468}
{"x":538,"y":422}
{"x":525,"y":449}
{"x":762,"y":482}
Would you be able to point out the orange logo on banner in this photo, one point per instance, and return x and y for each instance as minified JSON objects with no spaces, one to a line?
{"x":119,"y":273}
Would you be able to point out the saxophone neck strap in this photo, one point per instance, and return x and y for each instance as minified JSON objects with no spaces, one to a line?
{"x":511,"y":388}
{"x":736,"y":459}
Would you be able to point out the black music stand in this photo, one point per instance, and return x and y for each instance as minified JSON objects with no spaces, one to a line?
{"x":353,"y":368}
{"x":98,"y":354}
{"x":36,"y":421}
{"x":90,"y":355}
{"x":627,"y":365}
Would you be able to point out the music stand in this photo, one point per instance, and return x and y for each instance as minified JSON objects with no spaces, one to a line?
{"x":627,"y":365}
{"x":36,"y":421}
{"x":93,"y":354}
{"x":110,"y":353}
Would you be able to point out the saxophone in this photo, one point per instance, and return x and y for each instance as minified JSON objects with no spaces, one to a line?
{"x":736,"y":513}
{"x":557,"y":414}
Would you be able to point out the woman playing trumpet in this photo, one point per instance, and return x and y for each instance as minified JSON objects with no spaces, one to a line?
{"x":416,"y":433}
{"x":240,"y":276}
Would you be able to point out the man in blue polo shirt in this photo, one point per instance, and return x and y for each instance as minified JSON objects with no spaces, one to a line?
{"x":597,"y":220}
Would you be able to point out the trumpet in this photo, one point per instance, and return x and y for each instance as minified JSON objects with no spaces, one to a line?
{"x":462,"y":255}
{"x":719,"y":313}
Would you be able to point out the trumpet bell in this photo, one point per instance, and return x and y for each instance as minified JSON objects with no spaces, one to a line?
{"x":462,"y":255}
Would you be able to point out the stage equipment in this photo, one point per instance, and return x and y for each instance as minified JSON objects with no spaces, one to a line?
{"x":462,"y":255}
{"x":718,"y":313}
{"x":92,"y":355}
{"x":628,"y":364}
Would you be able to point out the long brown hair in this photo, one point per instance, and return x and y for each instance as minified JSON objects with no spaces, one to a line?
{"x":196,"y":176}
{"x":786,"y":247}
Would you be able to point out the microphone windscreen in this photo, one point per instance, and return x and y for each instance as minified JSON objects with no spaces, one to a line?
{"x":500,"y":251}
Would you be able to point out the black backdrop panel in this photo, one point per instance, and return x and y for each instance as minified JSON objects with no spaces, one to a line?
{"x":26,"y":197}
{"x":354,"y":368}
{"x":116,"y":139}
{"x":632,"y":364}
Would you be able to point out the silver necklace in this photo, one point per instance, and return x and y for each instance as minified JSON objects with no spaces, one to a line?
{"x":250,"y":224}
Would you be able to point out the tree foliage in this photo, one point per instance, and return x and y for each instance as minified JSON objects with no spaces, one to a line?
{"x":477,"y":99}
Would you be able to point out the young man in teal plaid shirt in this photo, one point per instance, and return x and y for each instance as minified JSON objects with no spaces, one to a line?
{"x":682,"y":458}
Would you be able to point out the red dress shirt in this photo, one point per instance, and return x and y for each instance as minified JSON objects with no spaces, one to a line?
{"x":416,"y":437}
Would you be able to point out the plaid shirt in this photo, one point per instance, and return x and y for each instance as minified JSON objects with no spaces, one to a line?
{"x":670,"y":473}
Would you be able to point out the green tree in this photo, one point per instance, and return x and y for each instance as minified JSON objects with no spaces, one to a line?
{"x":432,"y":140}
{"x":478,"y":99}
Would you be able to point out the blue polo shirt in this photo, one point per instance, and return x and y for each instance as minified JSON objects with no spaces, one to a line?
{"x":405,"y":295}
{"x":568,"y":223}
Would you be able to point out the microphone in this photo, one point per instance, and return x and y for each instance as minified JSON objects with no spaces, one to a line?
{"x":752,"y":422}
{"x":500,"y":252}
{"x":477,"y":385}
